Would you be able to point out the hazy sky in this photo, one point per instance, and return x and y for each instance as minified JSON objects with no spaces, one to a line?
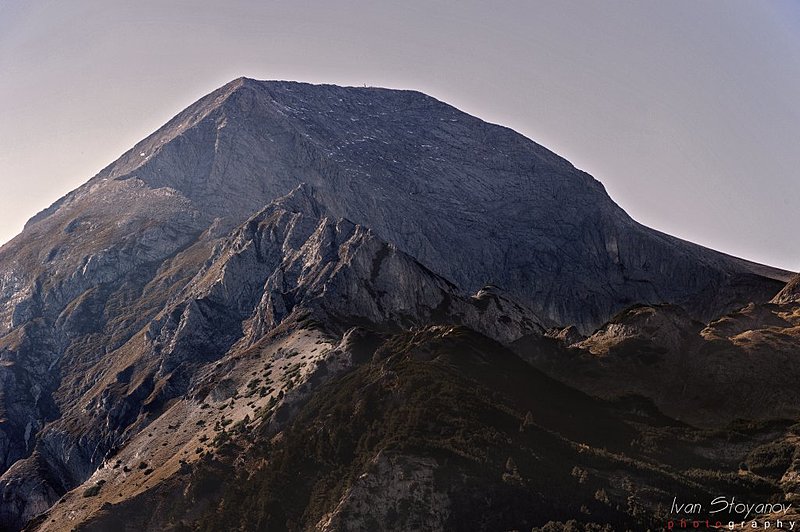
{"x":687,"y":111}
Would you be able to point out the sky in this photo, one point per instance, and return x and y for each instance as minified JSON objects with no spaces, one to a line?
{"x":687,"y":111}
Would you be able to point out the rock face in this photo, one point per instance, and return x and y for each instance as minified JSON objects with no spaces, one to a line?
{"x":790,"y":293}
{"x":474,"y":202}
{"x":265,"y":241}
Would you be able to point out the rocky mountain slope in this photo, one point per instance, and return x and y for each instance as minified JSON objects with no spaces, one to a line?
{"x":290,"y":261}
{"x":743,"y":365}
{"x":436,"y":429}
{"x":197,"y":303}
{"x":474,"y":202}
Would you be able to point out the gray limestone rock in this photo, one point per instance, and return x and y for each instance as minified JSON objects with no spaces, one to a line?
{"x":474,"y":202}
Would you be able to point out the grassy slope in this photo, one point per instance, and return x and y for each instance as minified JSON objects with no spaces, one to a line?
{"x":514,"y":449}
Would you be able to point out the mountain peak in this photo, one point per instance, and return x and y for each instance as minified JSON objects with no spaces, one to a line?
{"x":475,"y":202}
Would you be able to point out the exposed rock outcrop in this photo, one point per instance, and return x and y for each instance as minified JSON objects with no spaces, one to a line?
{"x":790,"y":293}
{"x":290,"y":260}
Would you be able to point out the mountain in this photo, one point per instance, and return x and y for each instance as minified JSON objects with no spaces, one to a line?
{"x":290,"y":269}
{"x":283,"y":256}
{"x":475,"y":202}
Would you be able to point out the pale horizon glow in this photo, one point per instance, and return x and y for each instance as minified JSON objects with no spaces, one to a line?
{"x":686,"y":111}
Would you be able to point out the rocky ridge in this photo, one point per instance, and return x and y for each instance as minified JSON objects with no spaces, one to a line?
{"x":790,"y":293}
{"x":742,"y":365}
{"x":290,"y":261}
{"x":441,"y":428}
